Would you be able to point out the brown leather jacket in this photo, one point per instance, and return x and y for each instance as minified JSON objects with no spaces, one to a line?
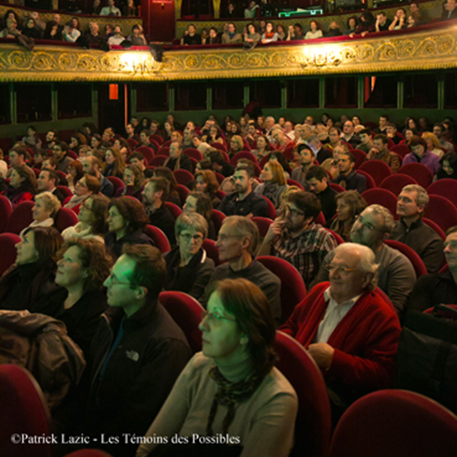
{"x":40,"y":343}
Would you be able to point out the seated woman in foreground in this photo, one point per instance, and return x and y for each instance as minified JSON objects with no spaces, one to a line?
{"x":231,"y":388}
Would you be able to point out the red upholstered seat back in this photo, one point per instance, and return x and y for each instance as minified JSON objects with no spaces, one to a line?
{"x":395,"y":423}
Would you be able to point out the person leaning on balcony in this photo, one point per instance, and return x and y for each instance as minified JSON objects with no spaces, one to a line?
{"x":137,"y":37}
{"x":231,"y":37}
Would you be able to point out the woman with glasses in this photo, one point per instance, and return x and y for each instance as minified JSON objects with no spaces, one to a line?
{"x":349,"y":205}
{"x":188,"y":266}
{"x":93,"y":214}
{"x":231,"y":387}
{"x":82,"y":268}
{"x":84,"y":188}
{"x":127,"y":219}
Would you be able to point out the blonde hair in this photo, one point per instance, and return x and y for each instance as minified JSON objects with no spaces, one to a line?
{"x":51,"y":202}
{"x":431,"y":136}
{"x":278,"y":173}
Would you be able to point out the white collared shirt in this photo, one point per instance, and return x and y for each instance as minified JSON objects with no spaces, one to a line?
{"x":333,"y":316}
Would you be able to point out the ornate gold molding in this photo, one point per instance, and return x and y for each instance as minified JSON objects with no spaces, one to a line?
{"x":424,"y":50}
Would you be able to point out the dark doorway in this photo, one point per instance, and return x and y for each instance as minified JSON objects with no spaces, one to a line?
{"x":111,"y":113}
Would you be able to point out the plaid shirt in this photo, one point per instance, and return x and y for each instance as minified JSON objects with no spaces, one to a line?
{"x":306,"y":251}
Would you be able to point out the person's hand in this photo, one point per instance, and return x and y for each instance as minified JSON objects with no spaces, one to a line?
{"x":363,"y":34}
{"x":351,"y":35}
{"x":276,"y":228}
{"x":322,"y":353}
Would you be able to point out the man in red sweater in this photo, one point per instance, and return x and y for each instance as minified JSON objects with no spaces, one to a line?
{"x":348,"y":329}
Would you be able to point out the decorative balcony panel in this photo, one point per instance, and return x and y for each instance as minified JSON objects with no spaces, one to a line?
{"x":429,"y":47}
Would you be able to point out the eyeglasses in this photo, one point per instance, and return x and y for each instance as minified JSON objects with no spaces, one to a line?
{"x":114,"y":281}
{"x":187,"y":237}
{"x":226,"y":237}
{"x":368,"y":225}
{"x":214,"y":318}
{"x":294,"y":212}
{"x":81,"y":183}
{"x":344,"y":270}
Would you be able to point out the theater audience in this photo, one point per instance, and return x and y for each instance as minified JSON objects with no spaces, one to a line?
{"x":47,"y":181}
{"x":314,"y":32}
{"x":349,"y":205}
{"x":380,"y":151}
{"x":84,"y":188}
{"x":448,"y":168}
{"x":178,"y":160}
{"x":45,"y":210}
{"x":262,"y":147}
{"x":244,"y":202}
{"x":114,"y":163}
{"x":433,"y":145}
{"x":235,"y":369}
{"x":126,"y":222}
{"x":110,"y":9}
{"x":138,"y":352}
{"x":75,"y":173}
{"x":412,"y":231}
{"x":154,"y":196}
{"x":206,"y":182}
{"x":71,"y":31}
{"x":173,"y":194}
{"x":82,"y":268}
{"x":274,"y":183}
{"x":438,"y":288}
{"x":200,"y":203}
{"x":134,"y":181}
{"x":420,"y":155}
{"x":295,"y":33}
{"x":92,"y":167}
{"x":317,"y":180}
{"x":137,"y":37}
{"x":396,"y":273}
{"x":269,"y":35}
{"x":92,"y":217}
{"x":188,"y":266}
{"x":53,"y":31}
{"x":31,"y":277}
{"x":294,"y":236}
{"x":306,"y":161}
{"x":349,"y":330}
{"x":22,"y":186}
{"x":348,"y":178}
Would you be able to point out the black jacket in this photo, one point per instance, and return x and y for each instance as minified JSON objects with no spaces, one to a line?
{"x":115,"y":246}
{"x":139,"y":374}
{"x":254,"y":204}
{"x":352,"y":181}
{"x":22,"y":286}
{"x":191,"y":279}
{"x":82,"y":319}
{"x":164,"y":220}
{"x":423,"y":240}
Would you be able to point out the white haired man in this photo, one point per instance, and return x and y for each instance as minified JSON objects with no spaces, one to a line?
{"x":348,"y":329}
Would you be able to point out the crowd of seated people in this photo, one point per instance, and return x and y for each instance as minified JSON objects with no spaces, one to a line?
{"x":31,"y":26}
{"x":303,"y":180}
{"x":267,"y":32}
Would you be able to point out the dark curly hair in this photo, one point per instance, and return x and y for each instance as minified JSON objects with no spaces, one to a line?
{"x":132,"y":211}
{"x":94,"y":257}
{"x":100,"y":205}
